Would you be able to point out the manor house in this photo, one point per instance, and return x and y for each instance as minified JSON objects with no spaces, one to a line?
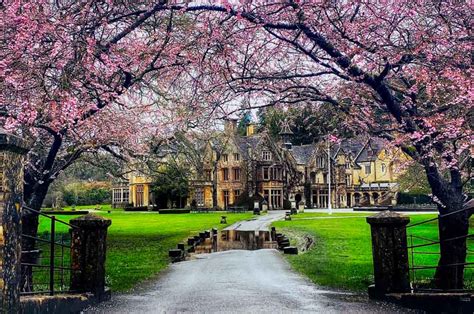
{"x":363,"y":173}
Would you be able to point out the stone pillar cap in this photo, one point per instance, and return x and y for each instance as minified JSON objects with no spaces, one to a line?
{"x":388,"y":218}
{"x":12,"y":143}
{"x":91,"y":221}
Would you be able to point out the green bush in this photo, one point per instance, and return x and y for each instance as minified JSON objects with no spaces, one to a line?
{"x":86,"y":193}
{"x":246,"y":201}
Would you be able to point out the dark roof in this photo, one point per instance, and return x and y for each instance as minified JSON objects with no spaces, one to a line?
{"x":352,"y":147}
{"x":303,"y":153}
{"x":370,"y":150}
{"x":246,"y":142}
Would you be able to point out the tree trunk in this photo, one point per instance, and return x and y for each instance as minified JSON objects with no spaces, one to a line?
{"x":453,"y":230}
{"x":453,"y":227}
{"x":30,"y":222}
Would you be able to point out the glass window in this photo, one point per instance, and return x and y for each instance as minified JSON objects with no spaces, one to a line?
{"x":367,"y":169}
{"x":236,"y":174}
{"x":226,"y":198}
{"x":199,"y":197}
{"x":225,"y":157}
{"x":384,"y":168}
{"x":125,"y":195}
{"x":266,"y":175}
{"x":236,"y":156}
{"x":225,"y":174}
{"x":320,"y":162}
{"x":266,"y":155}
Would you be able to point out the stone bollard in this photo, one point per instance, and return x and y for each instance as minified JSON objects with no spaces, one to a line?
{"x":88,"y":254}
{"x":12,"y":151}
{"x":390,"y":254}
{"x":273,"y":234}
{"x":214,"y":239}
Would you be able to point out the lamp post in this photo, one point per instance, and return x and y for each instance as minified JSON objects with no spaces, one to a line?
{"x":256,"y":207}
{"x":329,"y":178}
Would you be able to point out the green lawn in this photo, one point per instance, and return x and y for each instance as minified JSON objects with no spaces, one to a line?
{"x":342,"y":254}
{"x":138,"y":243}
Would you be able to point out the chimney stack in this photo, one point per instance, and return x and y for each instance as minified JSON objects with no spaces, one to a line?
{"x":250,"y":129}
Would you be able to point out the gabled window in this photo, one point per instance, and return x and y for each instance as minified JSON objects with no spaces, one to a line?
{"x":384,"y":168}
{"x":266,"y":155}
{"x":225,"y":157}
{"x":236,"y":156}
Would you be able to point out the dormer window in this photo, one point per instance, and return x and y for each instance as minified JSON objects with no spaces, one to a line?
{"x":225,"y":157}
{"x":266,"y":155}
{"x":236,"y":156}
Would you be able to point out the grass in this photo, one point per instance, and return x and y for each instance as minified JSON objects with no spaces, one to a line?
{"x":342,"y":254}
{"x":138,"y":243}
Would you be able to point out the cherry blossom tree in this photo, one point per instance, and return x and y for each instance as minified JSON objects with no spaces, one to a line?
{"x":81,"y":76}
{"x":397,"y":70}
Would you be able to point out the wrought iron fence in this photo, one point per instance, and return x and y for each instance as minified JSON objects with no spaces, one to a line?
{"x":46,"y":267}
{"x":421,"y":249}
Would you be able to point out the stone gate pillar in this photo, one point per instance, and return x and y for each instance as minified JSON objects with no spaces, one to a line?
{"x":88,"y":252}
{"x":12,"y":151}
{"x":390,"y":254}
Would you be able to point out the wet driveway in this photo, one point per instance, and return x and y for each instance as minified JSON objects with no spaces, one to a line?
{"x":237,"y":282}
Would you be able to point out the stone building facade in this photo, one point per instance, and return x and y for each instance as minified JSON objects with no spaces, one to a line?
{"x":363,"y":172}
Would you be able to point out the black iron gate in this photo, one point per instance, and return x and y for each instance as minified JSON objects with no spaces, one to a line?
{"x":46,"y":269}
{"x":422,"y":248}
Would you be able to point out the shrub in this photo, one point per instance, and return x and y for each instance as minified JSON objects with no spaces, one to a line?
{"x":286,"y":204}
{"x":87,"y":193}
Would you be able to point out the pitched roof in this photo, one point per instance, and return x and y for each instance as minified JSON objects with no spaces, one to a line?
{"x":352,"y":147}
{"x":303,"y":153}
{"x":246,"y":142}
{"x":370,"y":150}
